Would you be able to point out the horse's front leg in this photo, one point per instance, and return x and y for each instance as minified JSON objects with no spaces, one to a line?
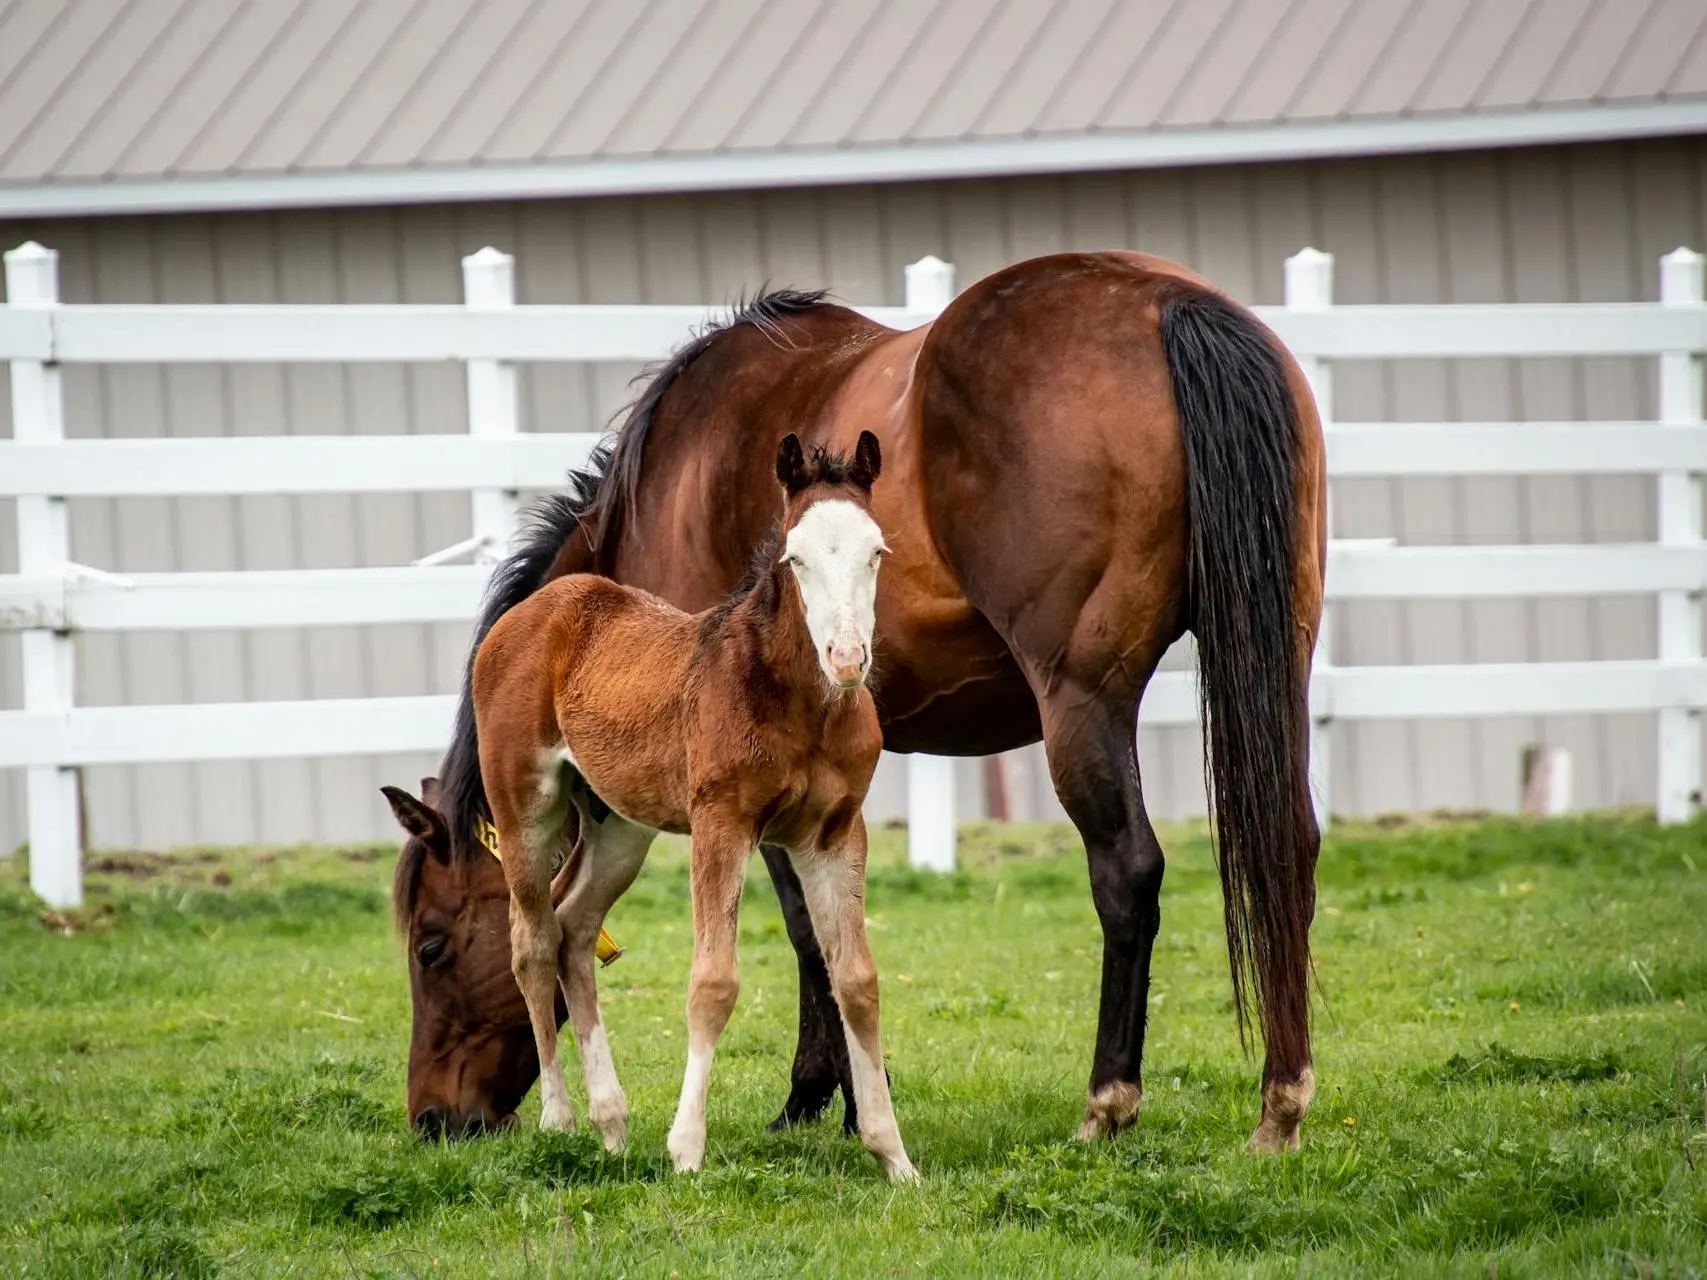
{"x":834,"y":882}
{"x":720,"y":851}
{"x":821,"y":1052}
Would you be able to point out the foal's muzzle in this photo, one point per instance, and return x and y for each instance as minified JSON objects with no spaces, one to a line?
{"x":847,"y":664}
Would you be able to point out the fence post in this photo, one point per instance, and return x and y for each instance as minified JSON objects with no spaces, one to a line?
{"x":930,"y":779}
{"x":44,"y":549}
{"x":1680,"y":524}
{"x":1310,"y":287}
{"x":489,"y":283}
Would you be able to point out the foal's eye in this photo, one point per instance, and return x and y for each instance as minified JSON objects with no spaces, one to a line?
{"x":432,"y":950}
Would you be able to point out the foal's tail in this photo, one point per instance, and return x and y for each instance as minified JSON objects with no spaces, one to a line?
{"x":1244,"y":446}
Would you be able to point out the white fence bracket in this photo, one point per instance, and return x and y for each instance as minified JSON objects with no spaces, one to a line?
{"x":930,"y":779}
{"x":1310,"y":288}
{"x":1680,"y":526}
{"x":44,"y":548}
{"x":489,"y":284}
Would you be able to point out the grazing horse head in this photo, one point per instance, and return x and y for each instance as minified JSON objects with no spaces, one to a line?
{"x":833,"y":546}
{"x":471,"y":1053}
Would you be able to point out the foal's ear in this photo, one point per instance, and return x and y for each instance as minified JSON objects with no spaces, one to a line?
{"x":791,"y":464}
{"x":416,"y":818}
{"x":867,"y":461}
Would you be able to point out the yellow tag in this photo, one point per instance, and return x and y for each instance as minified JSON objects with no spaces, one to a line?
{"x":606,"y":948}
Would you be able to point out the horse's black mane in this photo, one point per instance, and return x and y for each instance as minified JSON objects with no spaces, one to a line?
{"x":617,"y":495}
{"x":598,"y":498}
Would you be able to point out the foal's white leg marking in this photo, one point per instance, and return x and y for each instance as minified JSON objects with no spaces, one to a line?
{"x":615,"y":850}
{"x":838,"y":918}
{"x":687,"y":1134}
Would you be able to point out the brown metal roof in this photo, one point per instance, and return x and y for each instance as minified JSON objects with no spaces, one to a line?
{"x":94,"y":90}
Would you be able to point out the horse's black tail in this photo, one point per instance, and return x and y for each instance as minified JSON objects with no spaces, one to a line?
{"x":549,"y":523}
{"x":1243,"y":444}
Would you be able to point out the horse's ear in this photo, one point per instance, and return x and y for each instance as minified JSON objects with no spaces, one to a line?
{"x":430,"y":792}
{"x":791,"y":464}
{"x":418,"y":819}
{"x":867,"y":461}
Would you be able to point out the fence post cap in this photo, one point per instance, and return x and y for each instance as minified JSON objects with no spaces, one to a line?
{"x":929,"y":283}
{"x":31,"y":251}
{"x":1311,"y":255}
{"x":487,"y":257}
{"x":1681,"y":277}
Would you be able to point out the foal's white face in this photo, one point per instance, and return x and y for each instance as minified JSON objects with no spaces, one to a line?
{"x":834,"y":550}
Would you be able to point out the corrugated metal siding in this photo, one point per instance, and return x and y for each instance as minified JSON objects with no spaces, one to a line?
{"x":1585,"y":223}
{"x":148,"y":89}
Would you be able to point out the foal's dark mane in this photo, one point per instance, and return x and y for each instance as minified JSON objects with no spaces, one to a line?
{"x":827,"y":467}
{"x":599,"y":499}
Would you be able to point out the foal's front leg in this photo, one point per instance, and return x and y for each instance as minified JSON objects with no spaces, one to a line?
{"x":835,"y":893}
{"x":719,"y":869}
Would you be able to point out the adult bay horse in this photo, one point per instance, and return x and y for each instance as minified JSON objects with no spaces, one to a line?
{"x":1086,"y":456}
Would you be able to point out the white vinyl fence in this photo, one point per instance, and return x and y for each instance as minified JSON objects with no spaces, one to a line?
{"x":50,"y":597}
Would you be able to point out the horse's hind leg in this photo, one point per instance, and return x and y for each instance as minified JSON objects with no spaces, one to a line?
{"x":612,"y":853}
{"x":1093,"y":760}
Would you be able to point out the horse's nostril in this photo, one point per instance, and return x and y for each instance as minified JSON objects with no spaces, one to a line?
{"x":432,"y":1122}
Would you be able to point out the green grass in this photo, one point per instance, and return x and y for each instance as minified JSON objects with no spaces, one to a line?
{"x":205,"y":1078}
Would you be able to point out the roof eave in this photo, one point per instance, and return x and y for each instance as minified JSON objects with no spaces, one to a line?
{"x":728,"y":171}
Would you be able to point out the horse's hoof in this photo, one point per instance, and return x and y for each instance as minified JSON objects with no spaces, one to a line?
{"x":807,"y":1101}
{"x":1284,"y":1105}
{"x":1269,"y":1140}
{"x":1111,"y":1108}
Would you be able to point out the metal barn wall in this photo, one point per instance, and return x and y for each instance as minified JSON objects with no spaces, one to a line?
{"x":1582,"y":223}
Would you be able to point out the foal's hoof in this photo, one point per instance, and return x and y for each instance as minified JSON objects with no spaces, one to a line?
{"x":902,"y":1171}
{"x":686,"y":1152}
{"x":1112,"y":1108}
{"x":611,"y":1120}
{"x":557,"y":1119}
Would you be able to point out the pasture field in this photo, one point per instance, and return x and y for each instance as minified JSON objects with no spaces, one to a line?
{"x":201,"y":1074}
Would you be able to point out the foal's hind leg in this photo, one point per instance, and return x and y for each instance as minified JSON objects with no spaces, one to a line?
{"x":528,"y":843}
{"x":835,"y":892}
{"x":1093,"y":759}
{"x":612,"y":854}
{"x":821,"y":1051}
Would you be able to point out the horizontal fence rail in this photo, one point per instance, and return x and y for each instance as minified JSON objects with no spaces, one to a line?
{"x":178,"y":466}
{"x":51,"y":598}
{"x":256,"y":599}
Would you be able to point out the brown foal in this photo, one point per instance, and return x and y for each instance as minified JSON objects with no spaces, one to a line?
{"x":750,"y":721}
